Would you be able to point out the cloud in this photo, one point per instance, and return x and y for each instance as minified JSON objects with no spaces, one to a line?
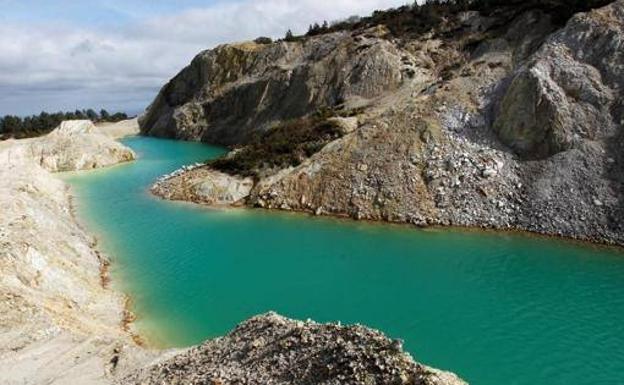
{"x":57,"y":65}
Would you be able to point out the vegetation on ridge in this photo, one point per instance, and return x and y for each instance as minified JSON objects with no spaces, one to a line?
{"x":17,"y":127}
{"x":418,"y":18}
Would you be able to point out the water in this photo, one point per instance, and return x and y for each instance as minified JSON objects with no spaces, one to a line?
{"x":494,"y":308}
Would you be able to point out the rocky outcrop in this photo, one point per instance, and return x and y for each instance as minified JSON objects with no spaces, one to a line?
{"x":568,"y":92}
{"x":271,"y":349}
{"x":202,"y":185}
{"x":234,"y":90}
{"x":506,"y":120}
{"x":74,"y":145}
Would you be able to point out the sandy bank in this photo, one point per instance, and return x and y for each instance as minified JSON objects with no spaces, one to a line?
{"x":58,"y":324}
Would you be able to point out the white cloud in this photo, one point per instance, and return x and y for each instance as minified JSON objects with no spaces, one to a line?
{"x":56,"y":66}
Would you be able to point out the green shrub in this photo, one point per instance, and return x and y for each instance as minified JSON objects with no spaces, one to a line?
{"x":287,"y":144}
{"x":263,"y":40}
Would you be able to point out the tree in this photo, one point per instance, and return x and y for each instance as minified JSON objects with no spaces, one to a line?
{"x":92,"y":115}
{"x":289,"y":36}
{"x":118,"y":117}
{"x":11,"y":125}
{"x":104,"y":115}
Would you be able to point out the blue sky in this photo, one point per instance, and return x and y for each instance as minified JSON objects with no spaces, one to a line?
{"x":68,"y":54}
{"x":90,"y":12}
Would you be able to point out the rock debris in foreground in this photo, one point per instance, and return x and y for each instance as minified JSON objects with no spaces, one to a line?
{"x":271,"y":349}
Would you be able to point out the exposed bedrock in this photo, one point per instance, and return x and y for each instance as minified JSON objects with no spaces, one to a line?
{"x":504,"y":121}
{"x":229,"y":92}
{"x":570,"y":89}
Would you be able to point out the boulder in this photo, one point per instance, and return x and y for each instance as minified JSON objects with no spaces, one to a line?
{"x":567,"y":92}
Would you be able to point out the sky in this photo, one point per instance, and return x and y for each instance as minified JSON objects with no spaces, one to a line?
{"x":116,"y":54}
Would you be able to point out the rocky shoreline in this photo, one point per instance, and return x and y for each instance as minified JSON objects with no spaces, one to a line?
{"x":61,"y":323}
{"x":523,"y":130}
{"x":168,"y":188}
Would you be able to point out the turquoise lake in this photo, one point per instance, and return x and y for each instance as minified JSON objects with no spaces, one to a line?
{"x":497,"y":309}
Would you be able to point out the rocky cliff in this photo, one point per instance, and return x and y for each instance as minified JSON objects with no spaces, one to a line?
{"x":230,"y":92}
{"x":510,"y":119}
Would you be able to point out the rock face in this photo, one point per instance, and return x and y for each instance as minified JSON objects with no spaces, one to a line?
{"x":231,"y":91}
{"x":567,"y":93}
{"x":271,"y":349}
{"x":506,"y":120}
{"x":203,"y":185}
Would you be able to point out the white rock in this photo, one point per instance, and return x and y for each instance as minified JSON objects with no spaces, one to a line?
{"x":489,"y":172}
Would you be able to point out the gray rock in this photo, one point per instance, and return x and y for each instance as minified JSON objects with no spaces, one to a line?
{"x":565,"y":93}
{"x":521,"y":130}
{"x":271,"y":349}
{"x":229,"y":92}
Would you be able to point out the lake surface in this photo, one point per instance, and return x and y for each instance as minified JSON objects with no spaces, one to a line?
{"x":497,"y":309}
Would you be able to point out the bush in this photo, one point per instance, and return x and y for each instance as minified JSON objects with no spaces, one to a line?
{"x":263,"y":40}
{"x":420,"y":18}
{"x":287,"y":144}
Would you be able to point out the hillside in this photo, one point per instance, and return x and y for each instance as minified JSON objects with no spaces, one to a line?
{"x":510,"y":119}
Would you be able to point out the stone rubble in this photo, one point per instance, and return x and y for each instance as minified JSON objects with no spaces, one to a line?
{"x":270,"y":350}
